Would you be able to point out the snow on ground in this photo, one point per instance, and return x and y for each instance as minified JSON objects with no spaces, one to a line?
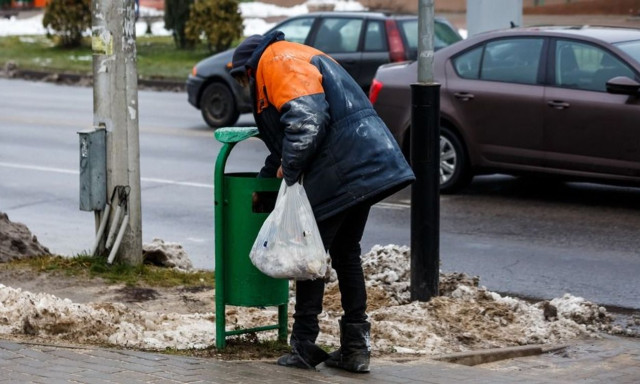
{"x":464,"y":316}
{"x":19,"y":27}
{"x":44,"y":315}
{"x":253,"y":14}
{"x":33,"y":25}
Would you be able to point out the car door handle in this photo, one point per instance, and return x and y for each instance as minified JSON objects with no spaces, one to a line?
{"x":464,"y":96}
{"x":558,"y":104}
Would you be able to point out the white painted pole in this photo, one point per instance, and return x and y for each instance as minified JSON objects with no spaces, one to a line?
{"x":426,"y":17}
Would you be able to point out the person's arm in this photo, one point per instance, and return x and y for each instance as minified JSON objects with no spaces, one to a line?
{"x":294,"y":87}
{"x":304,"y":120}
{"x":271,"y":165}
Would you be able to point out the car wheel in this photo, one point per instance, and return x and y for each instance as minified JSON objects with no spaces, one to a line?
{"x":454,"y":165}
{"x":218,"y":106}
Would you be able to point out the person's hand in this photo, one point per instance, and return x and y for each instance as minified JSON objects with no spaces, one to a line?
{"x":279,"y":173}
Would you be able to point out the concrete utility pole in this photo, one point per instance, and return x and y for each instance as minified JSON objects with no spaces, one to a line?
{"x":115,"y":108}
{"x":425,"y":161}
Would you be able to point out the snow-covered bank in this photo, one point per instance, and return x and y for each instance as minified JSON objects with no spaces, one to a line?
{"x":464,"y":317}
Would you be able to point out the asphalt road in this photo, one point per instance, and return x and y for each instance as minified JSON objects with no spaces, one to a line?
{"x":521,"y":236}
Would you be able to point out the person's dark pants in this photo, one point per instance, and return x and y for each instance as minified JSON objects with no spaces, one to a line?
{"x":341,"y":235}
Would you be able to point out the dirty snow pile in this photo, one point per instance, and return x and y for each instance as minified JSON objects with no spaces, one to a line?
{"x":463,"y":317}
{"x":167,"y":254}
{"x":46,"y":316}
{"x":17,"y":242}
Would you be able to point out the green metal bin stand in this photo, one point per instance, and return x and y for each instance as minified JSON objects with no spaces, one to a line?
{"x":238,"y":281}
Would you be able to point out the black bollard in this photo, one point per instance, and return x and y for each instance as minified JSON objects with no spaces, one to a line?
{"x":425,"y":191}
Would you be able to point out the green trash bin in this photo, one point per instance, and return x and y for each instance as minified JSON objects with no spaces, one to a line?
{"x":238,"y":221}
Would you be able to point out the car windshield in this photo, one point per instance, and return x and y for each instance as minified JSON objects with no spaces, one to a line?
{"x":631,"y":48}
{"x":444,"y":35}
{"x":296,"y":30}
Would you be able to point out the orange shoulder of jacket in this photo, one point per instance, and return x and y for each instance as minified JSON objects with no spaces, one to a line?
{"x":286,"y":71}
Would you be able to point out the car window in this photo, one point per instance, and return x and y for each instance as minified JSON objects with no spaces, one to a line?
{"x":467,"y":65}
{"x":512,"y":60}
{"x":338,"y":35}
{"x":297,"y":30}
{"x":374,"y":38}
{"x":631,"y":48}
{"x":444,"y":35}
{"x":585,"y":66}
{"x":409,"y":30}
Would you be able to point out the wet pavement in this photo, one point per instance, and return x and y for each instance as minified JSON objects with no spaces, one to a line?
{"x":609,"y":359}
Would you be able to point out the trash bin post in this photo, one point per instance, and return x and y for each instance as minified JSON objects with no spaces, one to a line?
{"x":219,"y":247}
{"x":237,"y":222}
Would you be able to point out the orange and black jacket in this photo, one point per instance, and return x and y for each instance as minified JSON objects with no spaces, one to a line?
{"x":317,"y":121}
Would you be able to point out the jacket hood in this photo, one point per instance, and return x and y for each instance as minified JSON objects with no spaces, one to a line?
{"x":267,"y":40}
{"x":243,"y":53}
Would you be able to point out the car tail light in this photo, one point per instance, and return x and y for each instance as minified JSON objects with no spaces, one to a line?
{"x":374,"y":90}
{"x":396,"y":46}
{"x":194,"y":71}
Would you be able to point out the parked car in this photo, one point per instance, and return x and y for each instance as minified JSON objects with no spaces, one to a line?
{"x":359,"y":41}
{"x":559,"y":101}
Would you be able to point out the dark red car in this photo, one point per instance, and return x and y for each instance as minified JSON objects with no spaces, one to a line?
{"x":561,"y":101}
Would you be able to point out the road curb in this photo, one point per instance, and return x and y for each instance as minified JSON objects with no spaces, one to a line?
{"x":484,"y":356}
{"x":87,"y":80}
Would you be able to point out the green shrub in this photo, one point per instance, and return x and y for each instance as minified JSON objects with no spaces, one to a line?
{"x":218,"y":20}
{"x":176,"y":14}
{"x":68,"y":19}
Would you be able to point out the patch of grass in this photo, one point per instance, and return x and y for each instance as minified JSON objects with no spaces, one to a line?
{"x":158,"y":57}
{"x":83,"y":265}
{"x":39,"y":53}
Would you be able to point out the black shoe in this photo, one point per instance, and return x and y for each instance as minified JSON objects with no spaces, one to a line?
{"x":304,"y":354}
{"x":293,"y":360}
{"x":357,"y":362}
{"x":355,"y":350}
{"x":334,"y":358}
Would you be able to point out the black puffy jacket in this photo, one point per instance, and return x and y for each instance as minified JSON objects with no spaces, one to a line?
{"x":317,"y":120}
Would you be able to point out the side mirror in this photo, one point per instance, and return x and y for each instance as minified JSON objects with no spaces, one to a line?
{"x":623,"y":85}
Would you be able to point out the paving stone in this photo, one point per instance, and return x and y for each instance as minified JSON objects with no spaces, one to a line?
{"x":611,"y":360}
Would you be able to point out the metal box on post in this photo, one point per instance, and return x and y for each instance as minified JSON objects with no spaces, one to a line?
{"x":93,"y":169}
{"x":237,"y":223}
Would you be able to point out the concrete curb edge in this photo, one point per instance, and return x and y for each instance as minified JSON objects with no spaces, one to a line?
{"x":72,"y":78}
{"x":472,"y":358}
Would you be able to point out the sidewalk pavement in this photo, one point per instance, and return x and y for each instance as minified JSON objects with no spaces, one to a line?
{"x":607,"y":360}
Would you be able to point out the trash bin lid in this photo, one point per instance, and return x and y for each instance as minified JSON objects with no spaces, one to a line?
{"x":235,"y":134}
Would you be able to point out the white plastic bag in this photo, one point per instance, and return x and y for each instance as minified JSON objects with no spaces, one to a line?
{"x":289,"y":245}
